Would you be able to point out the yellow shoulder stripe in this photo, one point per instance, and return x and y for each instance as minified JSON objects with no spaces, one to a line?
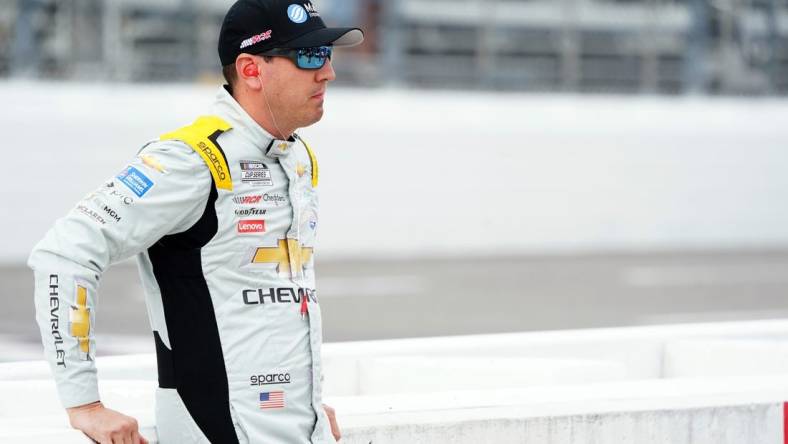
{"x":313,"y":161}
{"x":201,"y":136}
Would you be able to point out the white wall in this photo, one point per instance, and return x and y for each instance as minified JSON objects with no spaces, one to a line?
{"x":753,"y":424}
{"x":719,"y":383}
{"x":436,"y":173}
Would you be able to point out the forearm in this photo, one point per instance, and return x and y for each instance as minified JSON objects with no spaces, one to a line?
{"x":65,"y":312}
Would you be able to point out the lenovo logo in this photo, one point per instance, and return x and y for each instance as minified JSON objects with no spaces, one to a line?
{"x":251,"y":226}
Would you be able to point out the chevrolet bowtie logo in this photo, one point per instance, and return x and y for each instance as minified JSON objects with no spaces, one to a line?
{"x":153,"y":162}
{"x":79,"y":324}
{"x":286,"y":252}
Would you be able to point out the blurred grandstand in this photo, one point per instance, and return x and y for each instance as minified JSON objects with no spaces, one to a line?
{"x":620,"y":46}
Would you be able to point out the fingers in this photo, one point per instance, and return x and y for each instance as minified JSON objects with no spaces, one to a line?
{"x":110,"y":427}
{"x":121,"y":438}
{"x":335,"y":429}
{"x":125,"y":431}
{"x":332,"y":420}
{"x":135,"y":437}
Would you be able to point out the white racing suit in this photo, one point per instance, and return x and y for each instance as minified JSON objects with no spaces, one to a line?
{"x":222,"y":219}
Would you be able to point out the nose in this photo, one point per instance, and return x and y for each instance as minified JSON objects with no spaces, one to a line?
{"x":326,"y":72}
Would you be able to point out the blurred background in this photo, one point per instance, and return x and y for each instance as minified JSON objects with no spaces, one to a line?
{"x":487,"y":165}
{"x":621,"y":46}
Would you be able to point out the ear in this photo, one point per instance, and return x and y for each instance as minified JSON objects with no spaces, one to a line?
{"x":248,"y":72}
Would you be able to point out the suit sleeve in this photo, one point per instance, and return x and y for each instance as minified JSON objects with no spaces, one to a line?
{"x":163,"y":191}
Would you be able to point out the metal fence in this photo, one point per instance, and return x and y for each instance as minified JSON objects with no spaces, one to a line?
{"x":622,"y":46}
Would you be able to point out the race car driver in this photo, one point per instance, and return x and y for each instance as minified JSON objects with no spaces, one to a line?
{"x":221,"y":215}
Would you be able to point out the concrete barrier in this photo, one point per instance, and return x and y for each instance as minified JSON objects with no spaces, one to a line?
{"x":757,"y":424}
{"x":705,"y":383}
{"x":726,"y":357}
{"x":424,"y":374}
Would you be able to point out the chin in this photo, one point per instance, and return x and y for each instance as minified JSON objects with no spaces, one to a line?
{"x":316,"y":116}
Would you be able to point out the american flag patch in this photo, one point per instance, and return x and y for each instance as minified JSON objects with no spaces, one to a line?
{"x":272,"y":400}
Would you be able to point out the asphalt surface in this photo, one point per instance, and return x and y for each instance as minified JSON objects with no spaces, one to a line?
{"x":372,"y":299}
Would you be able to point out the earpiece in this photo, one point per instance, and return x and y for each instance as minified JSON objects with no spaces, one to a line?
{"x":251,"y":70}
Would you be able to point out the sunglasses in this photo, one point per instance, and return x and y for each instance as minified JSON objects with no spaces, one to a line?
{"x":304,"y":58}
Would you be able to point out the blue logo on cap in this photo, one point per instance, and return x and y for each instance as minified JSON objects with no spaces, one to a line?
{"x":297,"y":13}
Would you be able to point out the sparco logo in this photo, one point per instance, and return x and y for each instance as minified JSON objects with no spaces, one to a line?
{"x":275,"y":198}
{"x":270,"y":378}
{"x":247,"y":200}
{"x":217,"y":164}
{"x":250,"y":212}
{"x":54,"y":319}
{"x":278,"y":295}
{"x":251,"y":226}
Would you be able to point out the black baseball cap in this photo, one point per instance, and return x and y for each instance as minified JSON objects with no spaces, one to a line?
{"x":255,"y":26}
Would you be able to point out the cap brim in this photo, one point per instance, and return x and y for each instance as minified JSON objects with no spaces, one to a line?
{"x":327,"y":36}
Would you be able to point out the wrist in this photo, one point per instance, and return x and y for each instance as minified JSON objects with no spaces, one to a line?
{"x":85,"y":407}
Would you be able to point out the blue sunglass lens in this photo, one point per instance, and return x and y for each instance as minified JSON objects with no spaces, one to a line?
{"x":313,"y":58}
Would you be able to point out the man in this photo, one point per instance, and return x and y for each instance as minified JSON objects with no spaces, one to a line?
{"x":222,"y":216}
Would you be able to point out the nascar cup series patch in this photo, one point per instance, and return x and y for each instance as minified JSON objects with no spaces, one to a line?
{"x":256,"y":173}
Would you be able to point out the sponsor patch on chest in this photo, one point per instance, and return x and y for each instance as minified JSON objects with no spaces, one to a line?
{"x":256,"y":173}
{"x":245,"y":212}
{"x":248,"y":226}
{"x":248,"y":200}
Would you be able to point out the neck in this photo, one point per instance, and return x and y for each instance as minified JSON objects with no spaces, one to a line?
{"x":259,"y":110}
